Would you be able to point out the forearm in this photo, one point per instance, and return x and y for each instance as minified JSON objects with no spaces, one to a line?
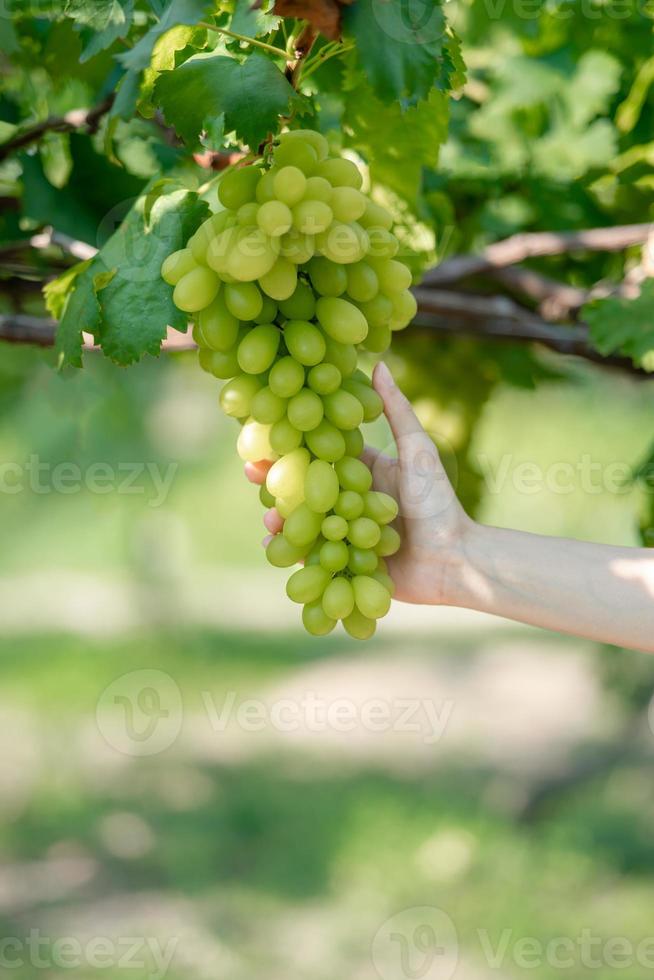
{"x":595,"y":591}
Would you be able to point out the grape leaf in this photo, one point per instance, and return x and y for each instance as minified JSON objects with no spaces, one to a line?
{"x":399,"y":45}
{"x":72,"y":300}
{"x":167,"y":54}
{"x":251,"y":20}
{"x":624,"y":325}
{"x":101,"y":23}
{"x":176,"y":12}
{"x":252,"y":95}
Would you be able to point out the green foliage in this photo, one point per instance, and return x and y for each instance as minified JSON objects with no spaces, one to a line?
{"x":624,"y":326}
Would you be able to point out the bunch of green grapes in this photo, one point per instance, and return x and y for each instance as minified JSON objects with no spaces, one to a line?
{"x":285,"y":284}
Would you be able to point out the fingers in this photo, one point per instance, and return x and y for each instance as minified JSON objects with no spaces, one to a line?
{"x":397,"y":409}
{"x":273,"y":521}
{"x":384,"y":470}
{"x":256,"y":472}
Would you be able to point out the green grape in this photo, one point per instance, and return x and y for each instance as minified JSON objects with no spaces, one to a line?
{"x":237,"y":395}
{"x":324,"y":378}
{"x":334,"y":556}
{"x":286,"y":505}
{"x":405,"y":308}
{"x":349,"y":505}
{"x":338,"y":598}
{"x":305,"y":410}
{"x":297,"y":154}
{"x":302,"y":527}
{"x":381,"y":564}
{"x":268,"y":311}
{"x":304,"y":341}
{"x":281,"y":281}
{"x":343,"y":243}
{"x":343,"y":410}
{"x":258,"y":349}
{"x":382,"y":244}
{"x":372,"y":404}
{"x":321,"y":487}
{"x":372,"y":599}
{"x":342,"y":356}
{"x":197,"y":289}
{"x":313,"y":556}
{"x":268,"y":407}
{"x":318,"y":189}
{"x":238,"y":187}
{"x":347,"y":203}
{"x":393,"y":276}
{"x":199,"y":243}
{"x":265,"y":497}
{"x":247,"y":214}
{"x":353,"y":474}
{"x":377,"y":311}
{"x":217,"y":327}
{"x":326,"y":278}
{"x":285,"y":478}
{"x":274,"y":218}
{"x":326,"y":442}
{"x":286,"y":377}
{"x":380,"y":507}
{"x":176,"y":265}
{"x":222,"y":364}
{"x":308,"y":583}
{"x":301,"y":305}
{"x":316,"y":140}
{"x":253,"y":442}
{"x":315,"y":620}
{"x":359,"y":626}
{"x":252,"y":255}
{"x":353,"y":442}
{"x":378,"y":339}
{"x":340,"y":173}
{"x":384,"y":579}
{"x":281,"y":553}
{"x":243,"y":300}
{"x":389,"y":542}
{"x":363,"y":532}
{"x":362,"y":283}
{"x":297,"y":246}
{"x":312,"y":217}
{"x":334,"y":528}
{"x":284,"y":437}
{"x":219,"y":249}
{"x":289,"y":185}
{"x":265,"y":190}
{"x":362,"y":561}
{"x":376,"y":216}
{"x":343,"y":321}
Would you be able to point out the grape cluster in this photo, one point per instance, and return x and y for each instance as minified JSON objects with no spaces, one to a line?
{"x":285,"y":283}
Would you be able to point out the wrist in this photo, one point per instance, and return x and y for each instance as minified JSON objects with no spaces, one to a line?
{"x":467,"y":586}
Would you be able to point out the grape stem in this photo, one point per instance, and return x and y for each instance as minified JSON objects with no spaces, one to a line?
{"x":324,"y":55}
{"x":271,"y":49}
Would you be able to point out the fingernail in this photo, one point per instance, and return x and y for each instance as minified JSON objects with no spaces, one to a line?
{"x":383,"y":374}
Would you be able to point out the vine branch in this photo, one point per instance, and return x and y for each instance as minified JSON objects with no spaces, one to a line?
{"x":87,"y":119}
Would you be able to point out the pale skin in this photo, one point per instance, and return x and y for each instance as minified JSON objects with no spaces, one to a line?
{"x":595,"y":591}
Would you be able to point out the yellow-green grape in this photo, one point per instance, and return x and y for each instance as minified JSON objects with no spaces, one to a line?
{"x":254,"y":443}
{"x":199,"y":242}
{"x":353,"y":474}
{"x":380,"y":507}
{"x":252,"y":255}
{"x":297,"y":246}
{"x":301,"y":305}
{"x":284,"y":437}
{"x":372,"y":404}
{"x":334,"y":556}
{"x":222,"y":364}
{"x":343,"y":243}
{"x":281,"y":553}
{"x":342,"y":356}
{"x":265,"y":190}
{"x":316,"y":140}
{"x":363,"y":532}
{"x":372,"y":599}
{"x":296,"y":153}
{"x":343,"y":321}
{"x":349,"y":505}
{"x":247,"y":214}
{"x":353,"y":442}
{"x":393,"y":276}
{"x":340,"y":173}
{"x":362,"y":282}
{"x":338,"y":598}
{"x":265,"y":497}
{"x":258,"y":349}
{"x":315,"y":620}
{"x":312,"y":217}
{"x":237,"y":395}
{"x":362,"y":561}
{"x":286,"y":505}
{"x":389,"y":542}
{"x":375,"y":216}
{"x":334,"y":528}
{"x":289,"y":185}
{"x":405,"y":308}
{"x":281,"y":281}
{"x":238,"y":187}
{"x":384,"y":579}
{"x":326,"y":442}
{"x":286,"y":377}
{"x":305,"y":410}
{"x":377,"y":311}
{"x":302,"y":527}
{"x":219,"y":249}
{"x":347,"y":203}
{"x":243,"y":300}
{"x":321,"y":488}
{"x":304,"y":341}
{"x":382,"y":244}
{"x":324,"y":378}
{"x":318,"y":189}
{"x":359,"y":626}
{"x":313,"y":555}
{"x":326,"y":278}
{"x":268,"y":407}
{"x":197,"y":289}
{"x":176,"y":266}
{"x":268,"y":311}
{"x":343,"y":410}
{"x":308,"y":583}
{"x":286,"y":477}
{"x":378,"y":339}
{"x":218,"y":328}
{"x":274,"y":218}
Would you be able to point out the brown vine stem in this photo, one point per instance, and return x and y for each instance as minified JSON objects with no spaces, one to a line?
{"x":87,"y":119}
